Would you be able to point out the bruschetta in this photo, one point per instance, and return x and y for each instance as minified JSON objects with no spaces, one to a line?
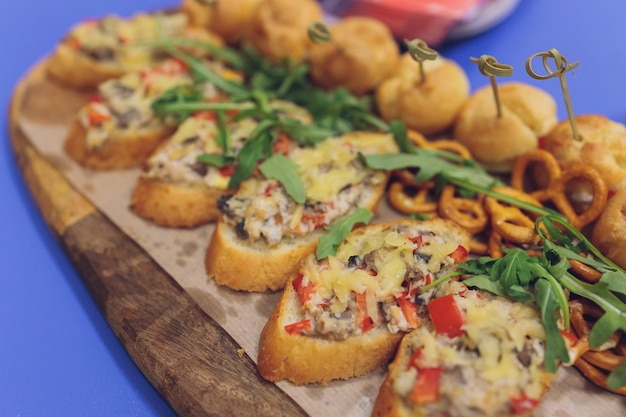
{"x":97,"y":50}
{"x":177,"y":189}
{"x":344,"y":315}
{"x":474,"y":355}
{"x":262,"y":233}
{"x":117,"y":128}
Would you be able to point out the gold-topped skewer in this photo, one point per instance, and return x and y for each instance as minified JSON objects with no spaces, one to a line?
{"x":489,"y":66}
{"x":562,"y":66}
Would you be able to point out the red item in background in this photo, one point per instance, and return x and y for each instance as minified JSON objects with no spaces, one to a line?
{"x":428,"y":20}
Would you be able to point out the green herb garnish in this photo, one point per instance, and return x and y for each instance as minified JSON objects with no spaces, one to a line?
{"x":284,"y":170}
{"x":329,"y":243}
{"x":545,"y":279}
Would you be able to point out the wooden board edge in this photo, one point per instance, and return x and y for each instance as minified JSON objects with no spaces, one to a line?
{"x":193,"y":363}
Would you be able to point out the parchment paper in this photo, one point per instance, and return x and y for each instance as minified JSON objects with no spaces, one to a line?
{"x":44,"y":119}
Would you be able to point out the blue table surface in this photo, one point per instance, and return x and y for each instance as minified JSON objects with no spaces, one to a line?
{"x":58,"y":356}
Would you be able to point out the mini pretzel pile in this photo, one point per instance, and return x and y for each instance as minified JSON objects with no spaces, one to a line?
{"x":595,"y":363}
{"x":493,"y":223}
{"x":496,"y":225}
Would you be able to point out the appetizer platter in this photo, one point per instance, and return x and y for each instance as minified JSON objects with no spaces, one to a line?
{"x":250,"y":192}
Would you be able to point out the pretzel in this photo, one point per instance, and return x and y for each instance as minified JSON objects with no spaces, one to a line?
{"x":465,"y":212}
{"x":595,"y":363}
{"x":410,"y":199}
{"x":586,"y":272}
{"x":510,"y":221}
{"x":496,"y":243}
{"x":442,"y":144}
{"x":555,"y":190}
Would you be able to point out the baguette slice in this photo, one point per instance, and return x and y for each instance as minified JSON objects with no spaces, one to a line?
{"x":98,"y":50}
{"x":263,"y":233}
{"x":175,"y":189}
{"x":117,"y":128}
{"x":495,"y":368}
{"x":344,"y":315}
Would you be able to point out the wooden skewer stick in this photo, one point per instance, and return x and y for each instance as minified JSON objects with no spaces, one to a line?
{"x":420,"y":51}
{"x":318,"y":32}
{"x":489,"y":66}
{"x":562,"y":67}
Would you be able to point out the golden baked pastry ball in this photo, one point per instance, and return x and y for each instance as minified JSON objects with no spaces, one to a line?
{"x":228,"y":18}
{"x":428,"y":105}
{"x":278,"y":28}
{"x":609,"y":231}
{"x":527,"y":114}
{"x":601,"y":144}
{"x":360,"y":54}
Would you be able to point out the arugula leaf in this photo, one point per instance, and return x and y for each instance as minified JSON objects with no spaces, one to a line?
{"x":175,"y":96}
{"x":430,"y":165}
{"x":215,"y":160}
{"x":202,"y":73}
{"x":338,"y":231}
{"x":284,"y":170}
{"x":306,"y":135}
{"x":484,"y":282}
{"x":223,"y":135}
{"x":555,"y":345}
{"x":399,"y":132}
{"x":617,"y":378}
{"x":250,"y":154}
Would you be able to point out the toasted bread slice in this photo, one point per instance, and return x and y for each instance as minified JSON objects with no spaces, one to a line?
{"x":494,"y":368}
{"x":176,"y":189}
{"x":263,"y":233}
{"x":98,"y":50}
{"x":118,"y":128}
{"x":123,"y":148}
{"x":344,"y":315}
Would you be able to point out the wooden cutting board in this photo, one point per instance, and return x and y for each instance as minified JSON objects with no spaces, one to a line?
{"x":182,"y":351}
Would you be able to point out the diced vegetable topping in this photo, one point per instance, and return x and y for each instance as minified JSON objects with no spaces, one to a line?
{"x":523,"y":404}
{"x":446,"y":316}
{"x":363,"y":318}
{"x":426,"y":389}
{"x":459,"y":255}
{"x":298,"y":327}
{"x":409,"y":309}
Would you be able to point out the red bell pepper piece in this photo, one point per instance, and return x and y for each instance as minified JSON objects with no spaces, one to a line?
{"x":446,"y":316}
{"x":97,"y":113}
{"x":304,"y":292}
{"x":523,"y":404}
{"x":363,"y":319}
{"x":426,"y":389}
{"x":298,"y":327}
{"x":417,"y":240}
{"x":459,"y":255}
{"x":282,"y":144}
{"x":205,"y":115}
{"x":409,"y":309}
{"x":227,"y":171}
{"x":570,"y":338}
{"x":317,"y":219}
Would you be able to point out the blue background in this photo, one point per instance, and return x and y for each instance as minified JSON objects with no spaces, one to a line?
{"x":58,"y":357}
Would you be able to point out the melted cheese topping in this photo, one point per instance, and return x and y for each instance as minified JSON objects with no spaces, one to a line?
{"x":335,"y":181}
{"x":398,"y":255}
{"x":386,"y":266}
{"x":500,"y":357}
{"x":108,"y":39}
{"x":323,"y":184}
{"x":177,"y":160}
{"x":128,"y":99}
